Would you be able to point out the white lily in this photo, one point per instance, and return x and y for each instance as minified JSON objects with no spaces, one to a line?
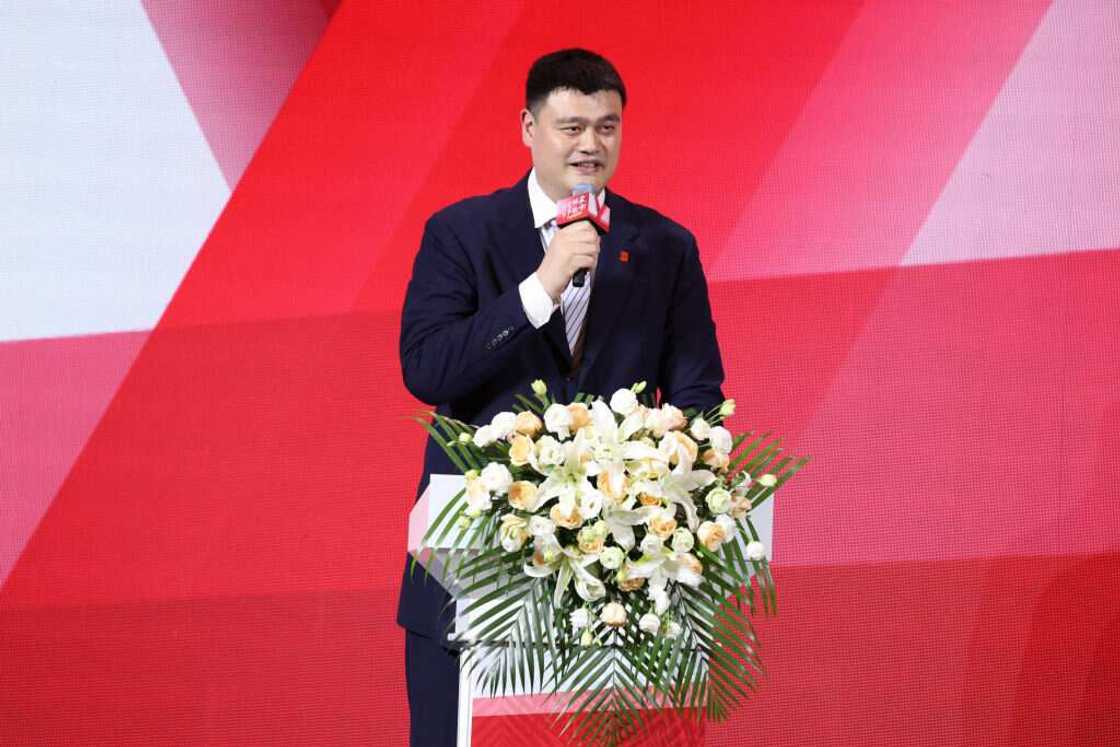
{"x":679,"y":488}
{"x":621,"y":520}
{"x":571,"y":566}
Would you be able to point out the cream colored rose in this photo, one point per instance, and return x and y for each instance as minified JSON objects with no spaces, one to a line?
{"x":768,"y":480}
{"x":711,"y":535}
{"x":727,"y":409}
{"x":590,"y":540}
{"x":625,"y":581}
{"x":613,"y":614}
{"x":539,"y":387}
{"x":691,"y":562}
{"x":568,"y":520}
{"x":520,"y":450}
{"x":649,"y":623}
{"x":523,"y":495}
{"x":756,"y":550}
{"x":740,"y":507}
{"x":580,"y":415}
{"x":648,"y":500}
{"x":663,"y":523}
{"x":528,"y":423}
{"x":716,"y":460}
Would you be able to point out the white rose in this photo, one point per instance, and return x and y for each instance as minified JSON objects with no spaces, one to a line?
{"x":768,"y":480}
{"x":700,"y":429}
{"x":478,"y":497}
{"x":581,"y":618}
{"x":539,"y":387}
{"x":503,"y":424}
{"x":756,"y":550}
{"x":728,"y":524}
{"x":649,"y":623}
{"x":720,"y":438}
{"x":719,"y":501}
{"x":683,"y":541}
{"x":587,"y":639}
{"x":513,"y":532}
{"x":711,"y":535}
{"x":613,"y":614}
{"x":611,"y":557}
{"x":484,"y":436}
{"x":727,"y":409}
{"x":624,"y":402}
{"x":590,"y":589}
{"x":651,"y":544}
{"x":673,"y":629}
{"x":548,"y":453}
{"x":496,"y":477}
{"x":541,"y":526}
{"x":558,"y":419}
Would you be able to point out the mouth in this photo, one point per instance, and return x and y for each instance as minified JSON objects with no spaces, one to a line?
{"x":588,"y":166}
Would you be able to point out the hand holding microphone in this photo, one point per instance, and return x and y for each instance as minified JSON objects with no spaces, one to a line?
{"x":581,"y":219}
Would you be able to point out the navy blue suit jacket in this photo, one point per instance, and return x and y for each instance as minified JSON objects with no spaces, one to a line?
{"x":467,"y":346}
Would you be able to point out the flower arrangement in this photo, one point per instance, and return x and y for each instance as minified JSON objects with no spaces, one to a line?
{"x":615,"y":554}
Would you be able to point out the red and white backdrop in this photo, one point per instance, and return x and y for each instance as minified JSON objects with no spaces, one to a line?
{"x":909,"y":215}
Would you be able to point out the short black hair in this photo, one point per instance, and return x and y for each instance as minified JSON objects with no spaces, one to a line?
{"x":577,"y":69}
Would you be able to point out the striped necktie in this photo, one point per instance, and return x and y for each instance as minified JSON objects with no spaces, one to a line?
{"x":573,"y":301}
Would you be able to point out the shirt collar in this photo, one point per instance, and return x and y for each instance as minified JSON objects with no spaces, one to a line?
{"x":544,"y":209}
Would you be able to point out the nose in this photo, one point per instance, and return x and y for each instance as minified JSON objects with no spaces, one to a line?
{"x":589,"y":142}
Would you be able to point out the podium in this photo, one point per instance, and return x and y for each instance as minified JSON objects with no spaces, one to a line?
{"x":436,"y":559}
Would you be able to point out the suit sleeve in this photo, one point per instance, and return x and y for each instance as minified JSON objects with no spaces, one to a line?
{"x":691,"y":369}
{"x":450,"y":345}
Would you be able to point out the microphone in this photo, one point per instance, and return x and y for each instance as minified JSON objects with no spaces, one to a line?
{"x":583,"y":205}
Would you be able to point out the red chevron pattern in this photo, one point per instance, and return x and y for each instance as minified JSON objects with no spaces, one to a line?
{"x":910,"y":223}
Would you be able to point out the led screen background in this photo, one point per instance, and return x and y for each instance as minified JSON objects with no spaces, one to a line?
{"x":909,"y":219}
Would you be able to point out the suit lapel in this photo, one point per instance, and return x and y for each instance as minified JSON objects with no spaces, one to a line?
{"x":520,"y":243}
{"x":613,"y":283}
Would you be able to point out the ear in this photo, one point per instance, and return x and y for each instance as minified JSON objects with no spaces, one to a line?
{"x":528,"y":127}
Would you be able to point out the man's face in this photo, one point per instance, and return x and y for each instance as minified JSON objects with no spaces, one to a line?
{"x":575,"y":138}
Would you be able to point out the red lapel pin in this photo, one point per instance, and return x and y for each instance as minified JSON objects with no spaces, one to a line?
{"x":624,"y":256}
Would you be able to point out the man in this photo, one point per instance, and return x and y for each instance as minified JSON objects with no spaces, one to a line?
{"x":491,"y":307}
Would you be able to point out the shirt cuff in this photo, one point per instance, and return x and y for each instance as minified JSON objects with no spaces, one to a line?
{"x":538,"y":305}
